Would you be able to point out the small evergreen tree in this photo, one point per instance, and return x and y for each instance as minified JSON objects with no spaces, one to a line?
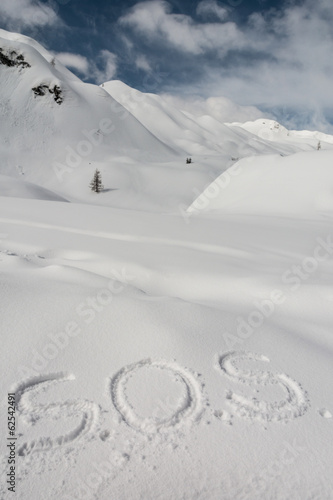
{"x":318,"y":146}
{"x":96,"y":183}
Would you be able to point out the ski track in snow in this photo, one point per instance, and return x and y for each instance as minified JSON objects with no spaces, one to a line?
{"x":123,"y":237}
{"x":294,"y":405}
{"x":32,"y":413}
{"x":190,"y":407}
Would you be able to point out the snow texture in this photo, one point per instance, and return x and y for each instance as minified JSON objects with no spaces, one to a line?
{"x":171,"y":336}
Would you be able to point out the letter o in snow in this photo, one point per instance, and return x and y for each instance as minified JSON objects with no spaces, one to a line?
{"x":212,"y":191}
{"x":50,"y":351}
{"x":104,"y":297}
{"x":84,"y":148}
{"x":223,"y":180}
{"x":190,"y":407}
{"x":201,"y":202}
{"x":310,"y":264}
{"x":255,"y":319}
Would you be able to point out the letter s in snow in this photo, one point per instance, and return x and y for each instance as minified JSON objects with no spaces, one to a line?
{"x":295,"y":403}
{"x":32,"y":412}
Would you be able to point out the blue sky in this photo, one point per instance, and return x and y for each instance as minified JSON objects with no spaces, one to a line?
{"x":274,"y":54}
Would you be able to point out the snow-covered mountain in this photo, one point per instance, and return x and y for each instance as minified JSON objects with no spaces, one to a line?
{"x":55,"y":130}
{"x":273,"y":131}
{"x":170,"y":337}
{"x":203,"y":133}
{"x":50,"y":118}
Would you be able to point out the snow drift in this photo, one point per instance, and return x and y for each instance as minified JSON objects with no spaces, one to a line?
{"x":299,"y":185}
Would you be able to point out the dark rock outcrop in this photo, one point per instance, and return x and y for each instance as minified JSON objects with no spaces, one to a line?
{"x":42,"y":90}
{"x":12,"y":59}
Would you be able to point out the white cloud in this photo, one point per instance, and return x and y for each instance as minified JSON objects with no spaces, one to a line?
{"x":221,"y":108}
{"x":102,"y":69}
{"x":154,"y":20}
{"x":210,"y":8}
{"x":19,"y":14}
{"x":141,"y":62}
{"x":108,"y":62}
{"x":74,"y":61}
{"x":277,"y":59}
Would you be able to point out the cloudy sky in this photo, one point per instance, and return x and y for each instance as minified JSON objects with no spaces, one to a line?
{"x":274,"y":54}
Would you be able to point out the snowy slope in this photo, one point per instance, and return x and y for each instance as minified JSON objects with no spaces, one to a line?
{"x":271,"y":130}
{"x":59,"y":133}
{"x":43,"y":136}
{"x":18,"y":188}
{"x":203,"y":132}
{"x":140,"y":344}
{"x":171,"y":337}
{"x":187,"y":133}
{"x":295,"y":186}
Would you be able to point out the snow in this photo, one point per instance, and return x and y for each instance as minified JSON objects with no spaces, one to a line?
{"x":51,"y":140}
{"x":171,"y":337}
{"x":22,"y":189}
{"x":263,"y":184}
{"x":274,"y":131}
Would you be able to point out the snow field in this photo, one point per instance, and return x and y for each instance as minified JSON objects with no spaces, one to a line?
{"x":171,"y":337}
{"x":143,"y":378}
